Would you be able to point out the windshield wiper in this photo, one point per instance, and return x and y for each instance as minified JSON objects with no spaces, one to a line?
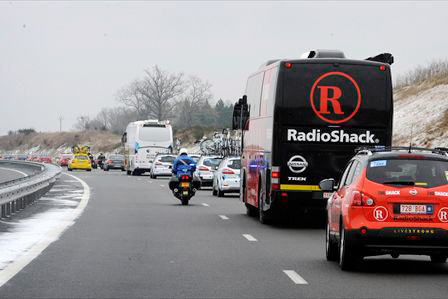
{"x":407,"y":183}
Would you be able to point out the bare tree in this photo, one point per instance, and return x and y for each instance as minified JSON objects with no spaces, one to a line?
{"x":131,"y":97}
{"x":197,"y":93}
{"x":83,"y":123}
{"x":155,"y":95}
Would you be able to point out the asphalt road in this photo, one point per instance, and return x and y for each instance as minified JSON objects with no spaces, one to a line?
{"x":134,"y":239}
{"x":10,"y":172}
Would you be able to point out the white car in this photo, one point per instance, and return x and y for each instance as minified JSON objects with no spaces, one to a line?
{"x":226,"y":178}
{"x":162,"y":165}
{"x":205,"y":168}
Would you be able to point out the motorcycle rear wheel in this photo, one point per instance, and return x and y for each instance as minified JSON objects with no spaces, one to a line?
{"x":184,"y":201}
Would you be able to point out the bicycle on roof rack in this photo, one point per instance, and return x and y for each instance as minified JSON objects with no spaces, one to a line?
{"x":368,"y":150}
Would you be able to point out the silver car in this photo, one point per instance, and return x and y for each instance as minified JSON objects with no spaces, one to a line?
{"x":205,"y":168}
{"x":162,"y":165}
{"x":226,"y":178}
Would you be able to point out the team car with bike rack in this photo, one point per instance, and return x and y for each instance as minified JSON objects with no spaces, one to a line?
{"x":391,"y":200}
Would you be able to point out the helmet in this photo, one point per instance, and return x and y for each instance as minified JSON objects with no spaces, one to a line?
{"x":183,"y":151}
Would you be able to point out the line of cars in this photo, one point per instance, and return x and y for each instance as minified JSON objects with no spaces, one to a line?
{"x":221,"y":174}
{"x":41,"y":157}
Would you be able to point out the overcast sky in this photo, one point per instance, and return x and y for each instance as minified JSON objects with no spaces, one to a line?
{"x":70,"y":58}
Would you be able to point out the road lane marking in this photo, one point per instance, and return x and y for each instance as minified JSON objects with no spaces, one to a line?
{"x":18,"y":171}
{"x":224,"y":217}
{"x":296,"y":278}
{"x":249,"y":238}
{"x":15,"y":267}
{"x":162,"y":185}
{"x":205,"y":204}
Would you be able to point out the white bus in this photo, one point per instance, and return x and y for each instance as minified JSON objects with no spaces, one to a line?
{"x":143,"y":140}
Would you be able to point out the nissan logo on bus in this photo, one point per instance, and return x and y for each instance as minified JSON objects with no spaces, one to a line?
{"x":335,"y":97}
{"x":297,"y":164}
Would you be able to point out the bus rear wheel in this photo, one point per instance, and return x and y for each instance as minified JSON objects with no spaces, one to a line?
{"x":263,"y":216}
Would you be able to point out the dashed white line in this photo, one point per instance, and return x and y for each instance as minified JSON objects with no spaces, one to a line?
{"x":296,"y":278}
{"x":162,"y":185}
{"x":249,"y":238}
{"x":205,"y":204}
{"x":223,"y":217}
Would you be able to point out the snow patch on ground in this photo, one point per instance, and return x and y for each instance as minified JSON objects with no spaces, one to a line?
{"x":424,"y":113}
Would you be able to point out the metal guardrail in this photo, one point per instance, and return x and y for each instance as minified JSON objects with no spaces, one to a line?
{"x":16,"y":194}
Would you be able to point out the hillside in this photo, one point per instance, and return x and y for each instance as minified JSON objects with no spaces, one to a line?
{"x":58,"y":142}
{"x":424,"y":108}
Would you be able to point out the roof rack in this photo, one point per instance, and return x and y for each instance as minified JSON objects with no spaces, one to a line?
{"x":369,"y":150}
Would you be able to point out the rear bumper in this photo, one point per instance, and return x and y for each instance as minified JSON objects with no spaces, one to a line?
{"x":162,"y":172}
{"x":298,"y":200}
{"x":404,"y":240}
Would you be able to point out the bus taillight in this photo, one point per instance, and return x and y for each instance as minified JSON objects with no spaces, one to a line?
{"x":275,"y":177}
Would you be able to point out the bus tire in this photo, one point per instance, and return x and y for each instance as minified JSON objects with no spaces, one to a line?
{"x":263,"y":216}
{"x":250,"y":210}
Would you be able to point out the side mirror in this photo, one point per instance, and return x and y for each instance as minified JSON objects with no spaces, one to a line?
{"x":327,"y":185}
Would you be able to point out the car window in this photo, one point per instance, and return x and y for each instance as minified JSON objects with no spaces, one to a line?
{"x":350,"y":175}
{"x":81,"y":158}
{"x":234,"y":164}
{"x":212,"y":162}
{"x":419,"y":172}
{"x":116,"y":157}
{"x":167,"y":159}
{"x":344,"y":175}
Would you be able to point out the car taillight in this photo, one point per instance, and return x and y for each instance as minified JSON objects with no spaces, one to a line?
{"x":275,"y":176}
{"x":361,"y":199}
{"x":203,"y":168}
{"x":228,"y":171}
{"x":109,"y":161}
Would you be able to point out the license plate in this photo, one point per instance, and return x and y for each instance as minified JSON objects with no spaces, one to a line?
{"x":185,"y":193}
{"x":327,"y":194}
{"x":416,"y":209}
{"x":187,"y":185}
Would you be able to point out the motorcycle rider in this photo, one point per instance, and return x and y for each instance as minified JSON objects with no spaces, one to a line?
{"x":101,"y":159}
{"x":182,"y":162}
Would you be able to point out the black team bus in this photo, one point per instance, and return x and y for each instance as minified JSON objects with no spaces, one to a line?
{"x":302,"y":121}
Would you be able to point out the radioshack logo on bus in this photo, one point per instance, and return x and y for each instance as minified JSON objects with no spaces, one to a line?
{"x":331,"y":136}
{"x":335,"y":97}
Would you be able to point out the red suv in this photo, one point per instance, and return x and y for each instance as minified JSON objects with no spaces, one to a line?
{"x":389,"y":201}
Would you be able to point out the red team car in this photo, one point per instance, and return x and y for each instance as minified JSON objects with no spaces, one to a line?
{"x":389,"y":201}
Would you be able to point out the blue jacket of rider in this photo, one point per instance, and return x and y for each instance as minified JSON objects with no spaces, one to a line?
{"x":179,"y":166}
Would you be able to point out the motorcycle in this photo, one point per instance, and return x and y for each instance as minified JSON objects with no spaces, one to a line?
{"x":185,"y":190}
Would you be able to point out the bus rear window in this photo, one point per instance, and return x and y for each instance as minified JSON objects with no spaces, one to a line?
{"x":349,"y":94}
{"x":156,"y":134}
{"x":408,"y":172}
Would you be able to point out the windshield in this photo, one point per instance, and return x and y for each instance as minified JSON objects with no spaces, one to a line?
{"x":155,"y":134}
{"x":413,"y":172}
{"x":234,"y":164}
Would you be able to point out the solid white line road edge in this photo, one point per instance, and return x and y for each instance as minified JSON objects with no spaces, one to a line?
{"x":296,"y":278}
{"x":223,"y":217}
{"x":249,"y":238}
{"x":21,"y":172}
{"x":15,"y":267}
